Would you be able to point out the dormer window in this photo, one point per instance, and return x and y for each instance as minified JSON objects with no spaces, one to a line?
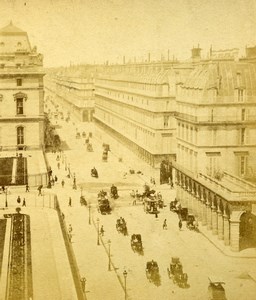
{"x":2,"y":44}
{"x":19,"y":44}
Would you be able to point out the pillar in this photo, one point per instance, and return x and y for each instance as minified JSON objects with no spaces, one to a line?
{"x":226,"y":230}
{"x":208,"y":216}
{"x":204,"y":213}
{"x":199,"y":208}
{"x":234,"y":235}
{"x":220,"y":226}
{"x":214,"y":220}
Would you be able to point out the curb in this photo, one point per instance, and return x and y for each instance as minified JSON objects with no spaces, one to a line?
{"x":223,"y":252}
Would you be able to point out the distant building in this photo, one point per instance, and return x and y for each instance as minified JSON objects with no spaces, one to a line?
{"x":21,"y":92}
{"x":74,"y":90}
{"x":135,"y":107}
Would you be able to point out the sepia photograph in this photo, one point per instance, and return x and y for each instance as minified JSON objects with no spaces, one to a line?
{"x":127,"y":150}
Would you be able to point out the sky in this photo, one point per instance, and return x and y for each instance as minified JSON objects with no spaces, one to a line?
{"x":94,"y":31}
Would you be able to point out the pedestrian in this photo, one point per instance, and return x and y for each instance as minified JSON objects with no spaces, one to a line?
{"x":18,"y":199}
{"x":40,"y":190}
{"x":27,"y":188}
{"x":58,"y":165}
{"x":134,"y":201}
{"x":180,"y":224}
{"x":24,"y":202}
{"x":62,"y":182}
{"x":165,"y":224}
{"x":70,"y":202}
{"x":102,"y":230}
{"x":55,"y":178}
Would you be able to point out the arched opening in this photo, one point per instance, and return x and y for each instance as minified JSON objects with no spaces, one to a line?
{"x":247,"y":232}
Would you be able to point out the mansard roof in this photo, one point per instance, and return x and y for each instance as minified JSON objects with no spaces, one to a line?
{"x":225,"y":77}
{"x":11,"y":29}
{"x":13,"y":40}
{"x":146,"y":77}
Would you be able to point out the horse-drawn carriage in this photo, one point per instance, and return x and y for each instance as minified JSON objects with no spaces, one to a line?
{"x":152,"y":272}
{"x":216,"y":290}
{"x":105,"y":155}
{"x":94,"y":173}
{"x":136,"y":243}
{"x":151,"y":205}
{"x":103,"y":203}
{"x":192,"y":223}
{"x":159,"y":197}
{"x":176,"y":273}
{"x":89,"y":147}
{"x":113,"y":192}
{"x":121,"y":226}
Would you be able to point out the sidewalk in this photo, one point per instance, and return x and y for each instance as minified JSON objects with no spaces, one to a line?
{"x":91,"y":258}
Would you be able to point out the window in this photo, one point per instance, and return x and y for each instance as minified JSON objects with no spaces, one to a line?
{"x":214,"y":133}
{"x":242,"y":136}
{"x":166,"y":121}
{"x":243,"y":160}
{"x":243,"y":114}
{"x":240,"y":95}
{"x":19,"y":106}
{"x":19,"y":82}
{"x":20,"y":135}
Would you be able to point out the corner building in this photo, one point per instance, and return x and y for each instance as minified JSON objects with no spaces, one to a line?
{"x":21,"y":92}
{"x":216,"y":149}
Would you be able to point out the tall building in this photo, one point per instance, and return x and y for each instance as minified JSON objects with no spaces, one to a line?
{"x":136,"y":107}
{"x":216,"y":149}
{"x":21,"y":92}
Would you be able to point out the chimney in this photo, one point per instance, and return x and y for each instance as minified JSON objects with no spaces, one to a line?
{"x":149,"y":57}
{"x":123,"y":60}
{"x":250,"y":52}
{"x":196,"y":52}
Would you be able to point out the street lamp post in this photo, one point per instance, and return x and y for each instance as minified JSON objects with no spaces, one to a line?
{"x":81,"y":191}
{"x":98,"y":233}
{"x":89,"y":207}
{"x":109,"y":261}
{"x":125,"y":276}
{"x":6,"y":192}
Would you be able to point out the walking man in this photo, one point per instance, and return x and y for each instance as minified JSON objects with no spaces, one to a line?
{"x":27,"y":188}
{"x":24,"y":202}
{"x":62,"y":183}
{"x":40,"y":190}
{"x":165,"y":224}
{"x":102,"y":230}
{"x":70,"y":202}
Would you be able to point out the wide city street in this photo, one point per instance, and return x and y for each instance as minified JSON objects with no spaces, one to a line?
{"x":114,"y":254}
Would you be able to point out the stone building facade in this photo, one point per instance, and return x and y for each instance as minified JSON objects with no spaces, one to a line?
{"x":216,"y":149}
{"x":21,"y":92}
{"x":74,"y":90}
{"x":136,"y":107}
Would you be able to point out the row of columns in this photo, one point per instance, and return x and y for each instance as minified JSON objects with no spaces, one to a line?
{"x":210,"y":213}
